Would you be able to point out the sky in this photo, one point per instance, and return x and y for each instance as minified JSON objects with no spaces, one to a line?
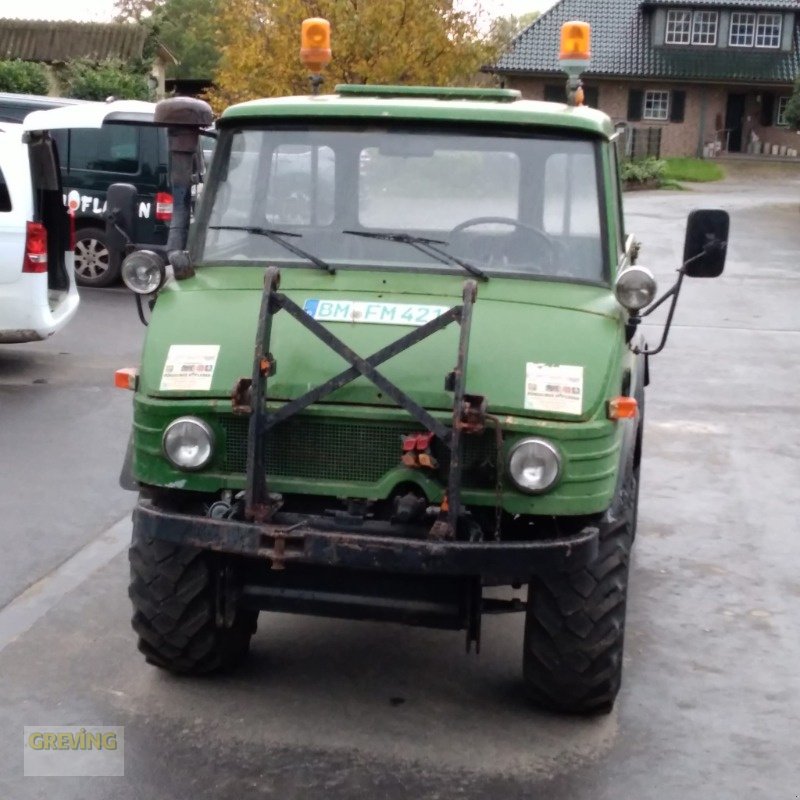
{"x":103,"y":10}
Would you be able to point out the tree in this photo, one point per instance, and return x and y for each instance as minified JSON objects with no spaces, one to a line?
{"x":504,"y":30}
{"x":86,"y":80}
{"x":374,"y":41}
{"x":23,"y":77}
{"x":793,"y":107}
{"x":135,"y":10}
{"x":187,"y":28}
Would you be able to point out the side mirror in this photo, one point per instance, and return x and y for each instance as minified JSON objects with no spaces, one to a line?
{"x":706,"y":243}
{"x":120,"y":220}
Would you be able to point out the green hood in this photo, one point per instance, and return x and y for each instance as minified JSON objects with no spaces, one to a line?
{"x":515,"y":322}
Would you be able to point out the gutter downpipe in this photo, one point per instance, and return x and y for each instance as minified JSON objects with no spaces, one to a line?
{"x":703,"y":110}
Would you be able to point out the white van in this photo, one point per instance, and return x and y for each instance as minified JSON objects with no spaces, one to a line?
{"x":38,"y":295}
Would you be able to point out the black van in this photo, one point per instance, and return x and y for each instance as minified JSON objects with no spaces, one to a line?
{"x":91,"y":160}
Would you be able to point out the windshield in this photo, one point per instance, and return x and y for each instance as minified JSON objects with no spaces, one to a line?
{"x":506,"y":205}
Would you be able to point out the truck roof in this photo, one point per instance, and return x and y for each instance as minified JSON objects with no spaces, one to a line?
{"x":432,"y":104}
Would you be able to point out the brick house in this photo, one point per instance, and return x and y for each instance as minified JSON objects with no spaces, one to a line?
{"x":688,"y":77}
{"x":56,"y":43}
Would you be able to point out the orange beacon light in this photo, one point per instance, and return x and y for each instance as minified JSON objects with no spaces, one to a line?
{"x":576,"y":42}
{"x":575,"y":57}
{"x":315,"y":44}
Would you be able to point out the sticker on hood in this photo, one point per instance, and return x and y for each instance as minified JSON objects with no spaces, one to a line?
{"x":557,"y":388}
{"x":189,"y":367}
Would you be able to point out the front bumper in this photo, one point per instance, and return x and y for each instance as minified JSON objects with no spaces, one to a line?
{"x":295,"y":539}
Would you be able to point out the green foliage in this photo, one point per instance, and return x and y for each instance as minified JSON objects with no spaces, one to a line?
{"x":504,"y":30}
{"x":23,"y":77}
{"x":644,"y":171}
{"x":435,"y":42}
{"x":188,"y":29}
{"x":693,"y":170}
{"x":135,"y":10}
{"x":86,"y":80}
{"x":793,"y":108}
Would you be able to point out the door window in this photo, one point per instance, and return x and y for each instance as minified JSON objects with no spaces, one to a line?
{"x":5,"y":197}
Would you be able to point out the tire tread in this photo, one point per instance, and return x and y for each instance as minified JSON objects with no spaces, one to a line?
{"x":173,"y":595}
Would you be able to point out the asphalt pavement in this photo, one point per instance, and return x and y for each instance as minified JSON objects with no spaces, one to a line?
{"x":710,"y":705}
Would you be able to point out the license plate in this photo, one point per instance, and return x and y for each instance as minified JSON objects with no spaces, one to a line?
{"x":372,"y":313}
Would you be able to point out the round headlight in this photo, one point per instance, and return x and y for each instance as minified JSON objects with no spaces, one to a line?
{"x":188,"y":443}
{"x":143,"y":272}
{"x":636,"y":288}
{"x":534,"y":465}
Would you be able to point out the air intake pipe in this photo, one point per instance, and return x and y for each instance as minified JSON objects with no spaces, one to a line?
{"x":184,"y":117}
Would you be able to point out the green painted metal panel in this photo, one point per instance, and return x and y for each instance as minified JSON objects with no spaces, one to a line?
{"x":521,"y":322}
{"x":526,"y":113}
{"x":436,"y":92}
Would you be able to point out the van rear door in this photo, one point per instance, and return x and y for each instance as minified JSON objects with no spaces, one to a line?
{"x":15,"y":202}
{"x":49,"y":209}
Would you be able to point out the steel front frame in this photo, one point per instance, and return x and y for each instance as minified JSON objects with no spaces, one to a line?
{"x":259,"y":506}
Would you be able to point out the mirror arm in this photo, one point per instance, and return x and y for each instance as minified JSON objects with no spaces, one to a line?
{"x":674,"y":293}
{"x":140,"y":310}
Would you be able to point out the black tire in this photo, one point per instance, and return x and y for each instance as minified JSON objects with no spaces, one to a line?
{"x":93,"y":264}
{"x":575,"y":622}
{"x":173,"y":591}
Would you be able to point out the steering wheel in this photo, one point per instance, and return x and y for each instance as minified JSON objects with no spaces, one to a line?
{"x":517,"y":225}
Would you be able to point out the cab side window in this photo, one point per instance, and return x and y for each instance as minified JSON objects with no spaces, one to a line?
{"x":5,"y":197}
{"x":112,"y":148}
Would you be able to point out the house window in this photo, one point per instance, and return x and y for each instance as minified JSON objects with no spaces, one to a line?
{"x":656,"y":105}
{"x":780,"y":117}
{"x":704,"y":27}
{"x":768,"y":30}
{"x":679,"y":27}
{"x":743,"y":29}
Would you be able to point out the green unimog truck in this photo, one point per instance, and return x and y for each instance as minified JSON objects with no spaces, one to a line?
{"x":398,"y":366}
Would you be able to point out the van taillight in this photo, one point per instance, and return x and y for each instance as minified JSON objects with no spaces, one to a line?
{"x":73,"y":240}
{"x":164,"y":206}
{"x":35,"y":248}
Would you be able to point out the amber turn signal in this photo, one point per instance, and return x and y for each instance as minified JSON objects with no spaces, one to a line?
{"x":576,"y":41}
{"x":315,"y":43}
{"x":126,"y":378}
{"x":622,"y":408}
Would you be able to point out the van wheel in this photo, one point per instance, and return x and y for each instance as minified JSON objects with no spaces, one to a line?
{"x":175,"y":610}
{"x":93,"y":259}
{"x":575,"y":622}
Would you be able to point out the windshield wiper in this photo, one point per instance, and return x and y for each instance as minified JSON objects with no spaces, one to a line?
{"x":428,"y":246}
{"x":275,"y":235}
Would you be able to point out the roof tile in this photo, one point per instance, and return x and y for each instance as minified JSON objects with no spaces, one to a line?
{"x":621,"y":45}
{"x":40,"y":40}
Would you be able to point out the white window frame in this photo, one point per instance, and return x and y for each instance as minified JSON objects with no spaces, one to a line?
{"x":776,"y":30}
{"x":679,"y":21}
{"x":780,"y":116}
{"x":659,"y":101}
{"x":705,"y":27}
{"x":741,"y":18}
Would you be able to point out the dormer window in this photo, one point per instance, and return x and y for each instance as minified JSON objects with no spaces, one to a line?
{"x":679,"y":27}
{"x":686,"y":27}
{"x":768,"y":30}
{"x":760,"y":30}
{"x":704,"y":27}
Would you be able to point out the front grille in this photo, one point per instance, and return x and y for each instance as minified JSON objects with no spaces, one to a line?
{"x":338,"y":450}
